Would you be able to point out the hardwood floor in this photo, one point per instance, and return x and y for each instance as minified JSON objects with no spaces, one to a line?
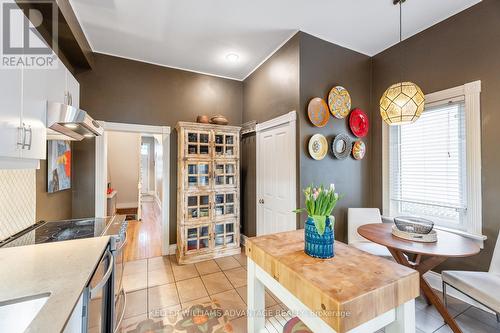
{"x":144,"y":237}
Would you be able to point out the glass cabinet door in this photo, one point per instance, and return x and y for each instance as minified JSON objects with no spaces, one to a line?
{"x":224,"y":204}
{"x":198,"y":174}
{"x":197,"y":237}
{"x":224,"y":233}
{"x":198,"y":206}
{"x":225,"y":145}
{"x":198,"y":144}
{"x":224,"y":173}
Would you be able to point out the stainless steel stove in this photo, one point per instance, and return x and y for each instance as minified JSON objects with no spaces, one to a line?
{"x":47,"y":232}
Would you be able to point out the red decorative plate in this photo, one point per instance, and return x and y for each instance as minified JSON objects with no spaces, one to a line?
{"x":358,"y":121}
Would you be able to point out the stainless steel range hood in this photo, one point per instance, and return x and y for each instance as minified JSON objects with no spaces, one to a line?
{"x":71,"y":122}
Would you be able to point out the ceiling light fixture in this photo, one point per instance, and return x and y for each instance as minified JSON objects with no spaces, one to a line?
{"x":403,"y":102}
{"x":71,"y":126}
{"x":232,"y":57}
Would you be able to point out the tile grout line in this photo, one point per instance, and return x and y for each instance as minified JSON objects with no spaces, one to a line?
{"x":175,"y":283}
{"x":223,"y":272}
{"x":202,"y":282}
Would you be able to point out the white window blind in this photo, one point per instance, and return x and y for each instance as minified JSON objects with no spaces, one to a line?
{"x":427,"y":166}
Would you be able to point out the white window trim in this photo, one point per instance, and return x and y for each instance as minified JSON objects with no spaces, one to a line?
{"x":471,"y":93}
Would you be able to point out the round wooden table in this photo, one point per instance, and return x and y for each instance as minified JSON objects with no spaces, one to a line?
{"x":448,"y":245}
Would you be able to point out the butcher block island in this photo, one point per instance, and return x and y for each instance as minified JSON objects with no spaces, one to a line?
{"x":351,"y":292}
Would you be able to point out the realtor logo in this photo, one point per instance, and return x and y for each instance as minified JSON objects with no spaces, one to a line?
{"x":23,"y":23}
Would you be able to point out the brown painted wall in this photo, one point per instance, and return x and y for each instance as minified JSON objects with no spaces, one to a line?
{"x":273,"y":89}
{"x":50,"y":206}
{"x":462,"y":49}
{"x":303,"y":68}
{"x":270,"y":91}
{"x":121,"y":90}
{"x":322,"y":66}
{"x":83,"y":178}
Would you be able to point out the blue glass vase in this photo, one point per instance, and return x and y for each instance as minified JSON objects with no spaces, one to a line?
{"x":316,"y":245}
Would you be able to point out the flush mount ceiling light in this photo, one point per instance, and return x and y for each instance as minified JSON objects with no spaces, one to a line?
{"x":232,"y":57}
{"x":403,"y":102}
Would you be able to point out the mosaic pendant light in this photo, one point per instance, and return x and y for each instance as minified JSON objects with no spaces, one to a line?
{"x":403,"y":102}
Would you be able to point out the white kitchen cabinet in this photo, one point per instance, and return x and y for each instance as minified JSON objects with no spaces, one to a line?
{"x":72,"y":89}
{"x":75,"y":321}
{"x":10,"y":112}
{"x":56,"y":83}
{"x":34,"y":113}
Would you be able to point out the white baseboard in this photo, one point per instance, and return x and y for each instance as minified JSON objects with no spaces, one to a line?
{"x":127,"y":205}
{"x":434,"y":279}
{"x":172,"y":248}
{"x":243,"y":239}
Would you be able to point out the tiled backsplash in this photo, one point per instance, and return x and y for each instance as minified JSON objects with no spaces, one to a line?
{"x":17,"y":201}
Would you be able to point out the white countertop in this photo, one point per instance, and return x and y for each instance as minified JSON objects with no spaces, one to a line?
{"x":62,"y":269}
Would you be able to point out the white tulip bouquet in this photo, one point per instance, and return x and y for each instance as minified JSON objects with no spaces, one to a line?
{"x":320,"y":202}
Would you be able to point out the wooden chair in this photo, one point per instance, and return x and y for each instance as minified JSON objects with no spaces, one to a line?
{"x":357,"y":217}
{"x":483,"y":287}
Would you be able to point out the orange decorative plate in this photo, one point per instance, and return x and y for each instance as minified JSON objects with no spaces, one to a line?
{"x":339,"y":102}
{"x":318,"y":112}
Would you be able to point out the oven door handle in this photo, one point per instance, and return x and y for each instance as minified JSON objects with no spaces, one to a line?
{"x":119,"y":322}
{"x":106,"y":276}
{"x":123,"y":242}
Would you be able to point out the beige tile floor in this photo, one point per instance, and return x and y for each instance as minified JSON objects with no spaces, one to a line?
{"x":159,"y":285}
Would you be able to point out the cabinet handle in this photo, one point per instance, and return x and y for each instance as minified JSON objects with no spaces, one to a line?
{"x":21,"y":136}
{"x":26,"y":131}
{"x":70,"y":99}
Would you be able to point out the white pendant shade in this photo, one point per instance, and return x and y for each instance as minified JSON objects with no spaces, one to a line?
{"x":402,"y":103}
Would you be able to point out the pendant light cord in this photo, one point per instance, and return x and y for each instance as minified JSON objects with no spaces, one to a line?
{"x":401,"y":55}
{"x":400,"y":21}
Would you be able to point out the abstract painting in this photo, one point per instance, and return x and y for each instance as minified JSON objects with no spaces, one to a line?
{"x":58,"y":165}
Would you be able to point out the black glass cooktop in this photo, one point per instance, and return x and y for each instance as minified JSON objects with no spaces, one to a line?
{"x":47,"y":232}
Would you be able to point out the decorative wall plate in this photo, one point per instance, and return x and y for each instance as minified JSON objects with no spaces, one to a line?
{"x":341,"y":146}
{"x":358,"y":122}
{"x":339,"y":102}
{"x":318,"y":147}
{"x":358,"y":150}
{"x":318,"y":112}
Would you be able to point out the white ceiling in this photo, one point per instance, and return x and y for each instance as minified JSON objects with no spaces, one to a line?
{"x":198,"y":34}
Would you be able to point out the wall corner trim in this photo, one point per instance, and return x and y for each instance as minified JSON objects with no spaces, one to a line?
{"x":290,"y":117}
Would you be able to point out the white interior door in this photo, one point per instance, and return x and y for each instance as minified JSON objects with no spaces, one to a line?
{"x":276,"y":177}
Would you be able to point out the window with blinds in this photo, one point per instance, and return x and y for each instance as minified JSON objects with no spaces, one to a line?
{"x":428,"y":165}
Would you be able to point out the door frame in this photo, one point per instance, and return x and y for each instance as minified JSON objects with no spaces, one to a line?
{"x":101,"y":144}
{"x":289,"y":120}
{"x":151,"y":157}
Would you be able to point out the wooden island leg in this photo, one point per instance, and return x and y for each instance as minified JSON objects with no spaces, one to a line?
{"x":405,"y":319}
{"x":256,"y":319}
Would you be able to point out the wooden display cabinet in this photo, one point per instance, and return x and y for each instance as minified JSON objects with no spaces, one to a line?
{"x":208,"y":184}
